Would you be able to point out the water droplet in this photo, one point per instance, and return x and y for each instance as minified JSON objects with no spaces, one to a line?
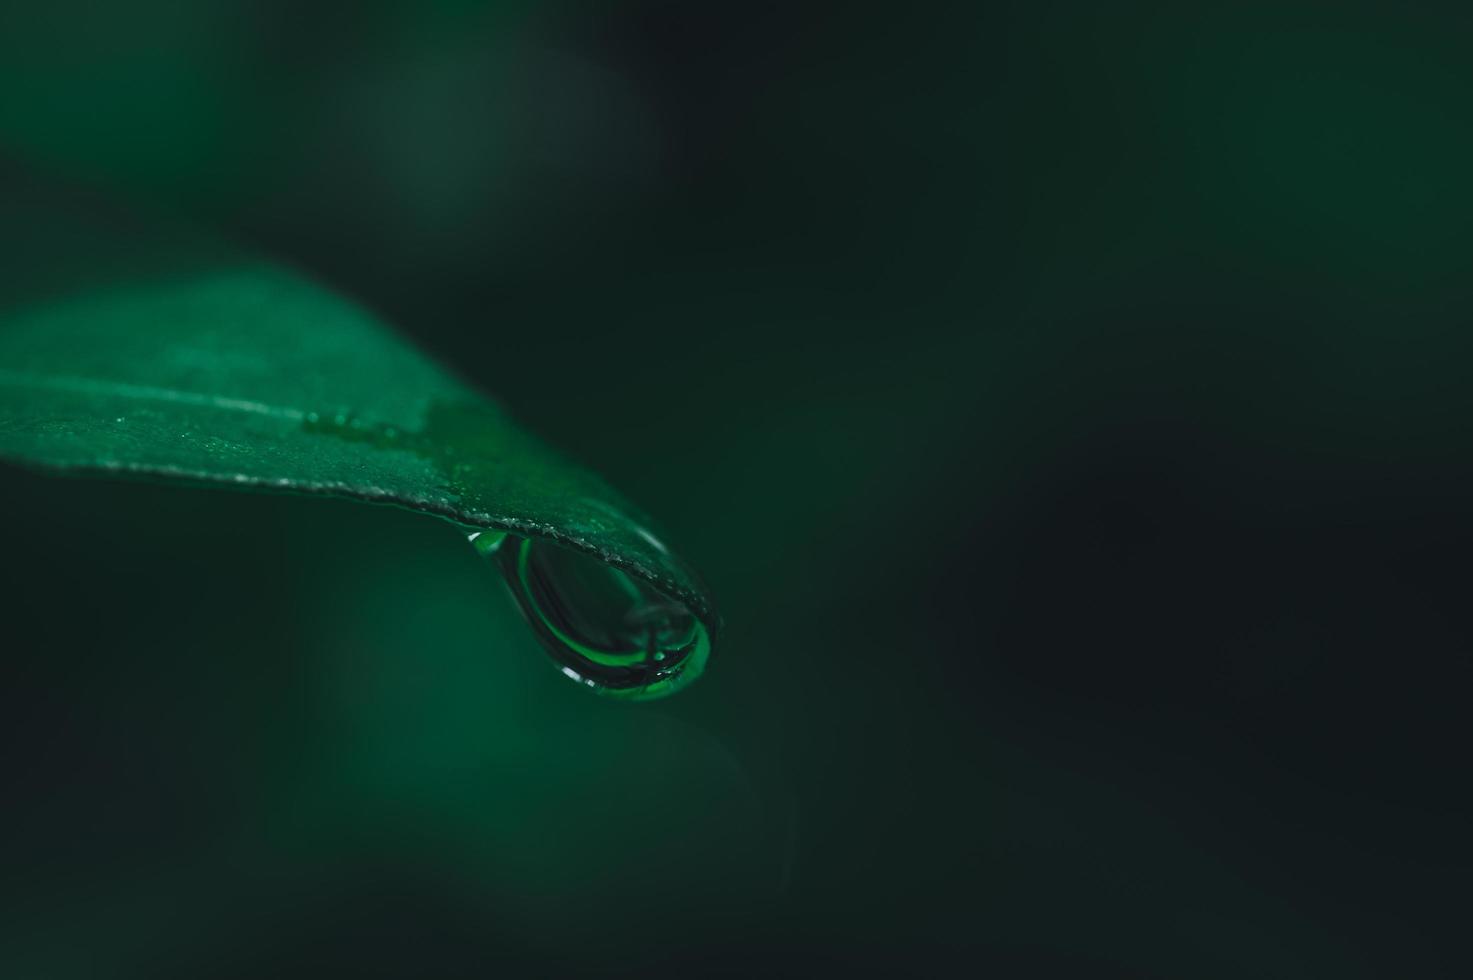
{"x":486,"y":542}
{"x":603,"y":628}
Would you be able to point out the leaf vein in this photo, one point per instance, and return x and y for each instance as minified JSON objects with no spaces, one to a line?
{"x":120,"y":389}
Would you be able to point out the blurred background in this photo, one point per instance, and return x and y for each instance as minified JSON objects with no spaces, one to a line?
{"x":1068,"y":405}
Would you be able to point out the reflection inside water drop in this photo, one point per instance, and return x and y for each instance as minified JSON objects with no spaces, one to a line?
{"x":604,"y":628}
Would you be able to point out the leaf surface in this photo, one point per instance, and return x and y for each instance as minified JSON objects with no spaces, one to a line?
{"x":132,"y":348}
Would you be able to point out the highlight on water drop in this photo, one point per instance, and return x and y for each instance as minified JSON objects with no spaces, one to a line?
{"x":604,"y":628}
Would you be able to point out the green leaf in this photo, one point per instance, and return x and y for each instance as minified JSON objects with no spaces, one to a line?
{"x":129,"y":348}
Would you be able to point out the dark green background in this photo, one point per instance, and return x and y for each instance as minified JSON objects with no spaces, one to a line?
{"x":1068,"y":405}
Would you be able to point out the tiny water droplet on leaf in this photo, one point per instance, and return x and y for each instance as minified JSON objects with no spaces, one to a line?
{"x":602,"y":627}
{"x":486,"y":542}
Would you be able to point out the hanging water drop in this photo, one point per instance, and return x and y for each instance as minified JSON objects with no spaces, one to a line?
{"x":604,"y":628}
